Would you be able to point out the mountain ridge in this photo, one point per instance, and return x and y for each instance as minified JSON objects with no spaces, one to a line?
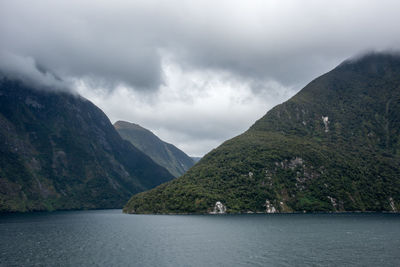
{"x":163,"y":153}
{"x":59,"y":151}
{"x":334,"y":146}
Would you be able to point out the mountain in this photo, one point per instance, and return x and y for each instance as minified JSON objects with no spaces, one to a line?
{"x":59,"y":151}
{"x":196,"y":159}
{"x":166,"y":155}
{"x":334,"y":146}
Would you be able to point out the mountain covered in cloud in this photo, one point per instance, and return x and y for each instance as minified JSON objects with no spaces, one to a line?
{"x":165,"y":154}
{"x":59,"y":151}
{"x":334,"y":146}
{"x":137,"y":59}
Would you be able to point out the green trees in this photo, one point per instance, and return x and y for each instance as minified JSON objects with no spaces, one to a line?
{"x":332,"y":147}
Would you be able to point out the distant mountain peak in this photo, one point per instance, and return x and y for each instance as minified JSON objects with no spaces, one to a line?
{"x":125,"y":124}
{"x":165,"y":154}
{"x":129,"y":125}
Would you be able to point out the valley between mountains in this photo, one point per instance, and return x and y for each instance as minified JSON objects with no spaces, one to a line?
{"x":333,"y":147}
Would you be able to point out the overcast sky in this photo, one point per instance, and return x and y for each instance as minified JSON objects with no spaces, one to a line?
{"x":196,"y":73}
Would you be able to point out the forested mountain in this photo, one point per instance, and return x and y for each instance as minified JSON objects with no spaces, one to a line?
{"x":334,"y":146}
{"x":59,"y":151}
{"x":165,"y":154}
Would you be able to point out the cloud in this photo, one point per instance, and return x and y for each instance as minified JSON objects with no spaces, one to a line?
{"x":120,"y":42}
{"x":194,"y":110}
{"x":29,"y":71}
{"x":94,"y":41}
{"x":185,"y":68}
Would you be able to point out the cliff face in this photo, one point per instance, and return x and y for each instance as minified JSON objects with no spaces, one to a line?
{"x":334,"y":146}
{"x":59,"y":151}
{"x":166,"y":155}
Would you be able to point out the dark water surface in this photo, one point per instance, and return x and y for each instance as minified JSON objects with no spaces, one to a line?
{"x":110,"y":238}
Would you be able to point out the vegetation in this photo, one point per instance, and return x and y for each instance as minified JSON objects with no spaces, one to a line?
{"x":164,"y":154}
{"x":332,"y":147}
{"x":59,"y":151}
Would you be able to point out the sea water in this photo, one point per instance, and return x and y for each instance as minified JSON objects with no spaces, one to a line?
{"x":111,"y":238}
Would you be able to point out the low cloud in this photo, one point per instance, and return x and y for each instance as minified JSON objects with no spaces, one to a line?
{"x":122,"y":42}
{"x":194,"y":110}
{"x":27,"y":70}
{"x":195,"y":72}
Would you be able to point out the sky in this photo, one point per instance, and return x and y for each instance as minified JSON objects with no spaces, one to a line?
{"x":195,"y":73}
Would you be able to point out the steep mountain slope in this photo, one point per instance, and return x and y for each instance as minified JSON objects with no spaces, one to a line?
{"x":59,"y":151}
{"x":334,"y":146}
{"x":196,"y":159}
{"x":167,"y":155}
